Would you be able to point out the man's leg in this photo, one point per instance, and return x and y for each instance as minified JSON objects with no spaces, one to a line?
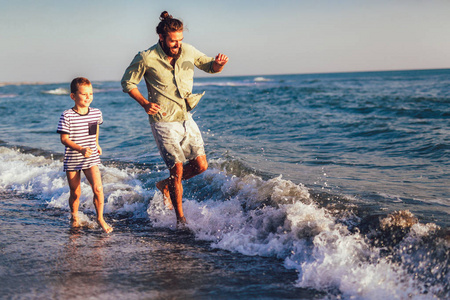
{"x":163,"y":186}
{"x":176,"y":191}
{"x":191,"y":169}
{"x":195,"y":167}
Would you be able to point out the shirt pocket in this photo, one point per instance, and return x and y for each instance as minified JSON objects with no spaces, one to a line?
{"x":92,"y":128}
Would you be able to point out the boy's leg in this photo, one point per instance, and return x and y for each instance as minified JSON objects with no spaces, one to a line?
{"x":95,"y":179}
{"x":73,"y":177}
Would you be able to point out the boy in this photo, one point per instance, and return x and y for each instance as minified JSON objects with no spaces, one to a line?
{"x":79,"y":131}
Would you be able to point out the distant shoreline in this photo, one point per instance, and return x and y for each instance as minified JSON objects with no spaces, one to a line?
{"x":23,"y":83}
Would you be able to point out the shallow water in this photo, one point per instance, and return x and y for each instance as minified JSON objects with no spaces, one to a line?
{"x":42,"y":258}
{"x":319,"y":186}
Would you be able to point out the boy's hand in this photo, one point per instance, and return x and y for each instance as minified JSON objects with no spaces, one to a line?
{"x":100,"y":151}
{"x":86,"y":152}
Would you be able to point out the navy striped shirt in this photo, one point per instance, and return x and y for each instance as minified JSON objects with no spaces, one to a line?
{"x":82,"y":129}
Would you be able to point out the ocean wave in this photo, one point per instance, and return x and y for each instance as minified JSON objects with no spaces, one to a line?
{"x":8,"y":95}
{"x":261,"y":79}
{"x":65,"y":91}
{"x":332,"y":244}
{"x":20,"y":83}
{"x":246,"y":82}
{"x":222,"y":84}
{"x":57,"y":91}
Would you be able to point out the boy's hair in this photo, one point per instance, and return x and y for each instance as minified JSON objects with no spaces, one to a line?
{"x":168,"y":24}
{"x":77,"y":82}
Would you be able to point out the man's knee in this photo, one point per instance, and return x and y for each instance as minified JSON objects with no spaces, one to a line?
{"x":202,"y":164}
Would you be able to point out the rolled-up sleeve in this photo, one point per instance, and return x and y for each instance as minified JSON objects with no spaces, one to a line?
{"x":133,"y":74}
{"x":203,"y":62}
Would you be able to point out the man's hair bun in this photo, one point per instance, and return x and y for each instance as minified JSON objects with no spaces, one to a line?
{"x":165,"y":15}
{"x":168,"y":24}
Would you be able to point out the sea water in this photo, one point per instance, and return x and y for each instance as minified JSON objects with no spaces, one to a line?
{"x":319,"y":186}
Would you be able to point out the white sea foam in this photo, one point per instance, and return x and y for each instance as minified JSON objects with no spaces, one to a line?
{"x":346,"y":262}
{"x":66,"y":91}
{"x":57,"y":91}
{"x":227,"y":83}
{"x":249,"y":215}
{"x":261,"y":79}
{"x":308,"y":238}
{"x":44,"y":179}
{"x":8,"y":95}
{"x":234,"y":83}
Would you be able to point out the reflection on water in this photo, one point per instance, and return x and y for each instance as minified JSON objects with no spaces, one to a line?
{"x":42,"y":257}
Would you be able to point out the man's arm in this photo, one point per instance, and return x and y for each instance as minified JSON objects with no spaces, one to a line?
{"x":207,"y":63}
{"x":220,"y":62}
{"x":132,"y":76}
{"x":150,"y":108}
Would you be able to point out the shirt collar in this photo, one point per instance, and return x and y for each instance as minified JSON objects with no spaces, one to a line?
{"x":160,"y":50}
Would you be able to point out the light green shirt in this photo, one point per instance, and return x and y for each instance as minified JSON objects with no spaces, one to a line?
{"x":166,"y":85}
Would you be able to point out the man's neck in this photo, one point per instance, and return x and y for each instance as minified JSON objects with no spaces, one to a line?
{"x":172,"y":60}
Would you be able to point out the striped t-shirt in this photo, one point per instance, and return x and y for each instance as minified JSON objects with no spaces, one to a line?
{"x":82,"y":129}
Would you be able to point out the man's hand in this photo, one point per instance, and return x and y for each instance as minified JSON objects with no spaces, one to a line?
{"x":151,"y":108}
{"x":219,"y":62}
{"x":221,"y":59}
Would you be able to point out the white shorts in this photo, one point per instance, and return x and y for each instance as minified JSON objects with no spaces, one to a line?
{"x":178,"y":141}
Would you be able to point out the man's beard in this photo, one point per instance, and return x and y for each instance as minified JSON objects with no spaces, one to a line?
{"x":167,"y":51}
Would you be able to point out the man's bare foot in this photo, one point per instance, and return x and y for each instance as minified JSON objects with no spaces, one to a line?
{"x":164,"y":188}
{"x":181,"y":223}
{"x":75,"y":221}
{"x":106,"y":228}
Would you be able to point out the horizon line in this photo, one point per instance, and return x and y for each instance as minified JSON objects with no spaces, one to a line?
{"x":5,"y":83}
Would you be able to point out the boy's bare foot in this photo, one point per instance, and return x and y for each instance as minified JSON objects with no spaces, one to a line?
{"x":164,"y":188}
{"x":106,"y":228}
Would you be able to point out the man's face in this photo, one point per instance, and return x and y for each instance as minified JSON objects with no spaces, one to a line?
{"x":171,"y":43}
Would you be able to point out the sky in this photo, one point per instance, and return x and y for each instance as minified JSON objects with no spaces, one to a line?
{"x":55,"y":41}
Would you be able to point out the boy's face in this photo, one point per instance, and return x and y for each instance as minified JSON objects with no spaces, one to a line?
{"x":84,"y":96}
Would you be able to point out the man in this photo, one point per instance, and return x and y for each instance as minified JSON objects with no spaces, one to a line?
{"x":168,"y":70}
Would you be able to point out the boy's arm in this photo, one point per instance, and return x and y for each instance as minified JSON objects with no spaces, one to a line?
{"x":96,"y":141}
{"x":66,"y":141}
